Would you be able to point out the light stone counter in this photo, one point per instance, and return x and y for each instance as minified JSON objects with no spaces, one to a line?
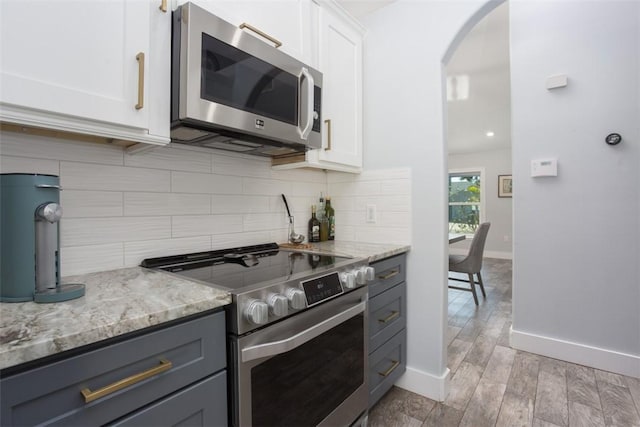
{"x":121,"y":301}
{"x":372,"y":251}
{"x":115,"y":302}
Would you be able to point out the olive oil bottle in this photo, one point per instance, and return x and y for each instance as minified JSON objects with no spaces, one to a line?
{"x":314,"y":226}
{"x":330,"y":214}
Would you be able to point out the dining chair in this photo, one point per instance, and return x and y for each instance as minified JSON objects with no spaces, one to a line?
{"x":471,"y":263}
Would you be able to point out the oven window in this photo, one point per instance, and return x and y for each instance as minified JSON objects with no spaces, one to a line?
{"x":303,"y":386}
{"x":234,"y":78}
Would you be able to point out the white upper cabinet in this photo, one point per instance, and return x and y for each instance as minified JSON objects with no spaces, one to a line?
{"x":339,"y":53}
{"x":286,"y":21}
{"x":341,"y":65}
{"x":93,"y":67}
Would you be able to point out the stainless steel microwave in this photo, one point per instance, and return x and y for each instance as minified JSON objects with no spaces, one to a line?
{"x":233,"y":91}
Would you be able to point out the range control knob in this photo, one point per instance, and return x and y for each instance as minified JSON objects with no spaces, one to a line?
{"x":369,"y":273}
{"x":278,"y":304}
{"x":348,"y":279}
{"x":256,"y":312}
{"x":297,"y":298}
{"x":365,"y":274}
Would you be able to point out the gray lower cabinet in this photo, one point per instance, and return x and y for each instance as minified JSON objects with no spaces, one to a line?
{"x":172,"y":376}
{"x":387,"y":326}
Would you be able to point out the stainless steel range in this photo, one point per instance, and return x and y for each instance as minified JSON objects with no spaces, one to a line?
{"x":298,"y":329}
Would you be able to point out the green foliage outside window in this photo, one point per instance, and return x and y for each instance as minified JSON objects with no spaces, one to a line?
{"x":464,"y":203}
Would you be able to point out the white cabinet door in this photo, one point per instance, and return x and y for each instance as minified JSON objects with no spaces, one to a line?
{"x":80,"y":66}
{"x":341,"y":66}
{"x":339,"y":48}
{"x":287,"y":21}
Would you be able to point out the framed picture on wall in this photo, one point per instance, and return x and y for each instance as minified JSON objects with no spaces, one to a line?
{"x":505,"y":186}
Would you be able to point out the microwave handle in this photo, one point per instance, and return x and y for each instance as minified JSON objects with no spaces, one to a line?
{"x":304,"y":132}
{"x":278,"y":347}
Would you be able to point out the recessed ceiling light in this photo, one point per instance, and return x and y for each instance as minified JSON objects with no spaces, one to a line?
{"x":490,"y":134}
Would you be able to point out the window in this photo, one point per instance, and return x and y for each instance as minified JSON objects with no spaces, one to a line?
{"x":466,"y":209}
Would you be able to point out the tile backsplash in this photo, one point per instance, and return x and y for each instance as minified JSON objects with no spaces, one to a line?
{"x":121,"y":208}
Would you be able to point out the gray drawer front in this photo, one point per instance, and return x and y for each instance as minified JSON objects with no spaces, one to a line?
{"x":202,"y":404}
{"x":382,"y":361}
{"x":389,"y":272}
{"x":387,"y":315}
{"x":51,"y":394}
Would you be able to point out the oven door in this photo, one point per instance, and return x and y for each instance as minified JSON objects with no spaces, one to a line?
{"x":308,"y":370}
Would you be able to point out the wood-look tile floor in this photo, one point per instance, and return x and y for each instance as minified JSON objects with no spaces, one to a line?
{"x":495,"y":385}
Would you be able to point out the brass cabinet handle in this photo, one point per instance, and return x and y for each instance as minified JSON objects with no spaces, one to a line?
{"x":328,"y":147}
{"x":163,"y":6}
{"x":389,"y":275}
{"x":90,"y":396}
{"x":394,"y":365}
{"x":389,"y":318}
{"x":140,"y":58}
{"x":273,"y":40}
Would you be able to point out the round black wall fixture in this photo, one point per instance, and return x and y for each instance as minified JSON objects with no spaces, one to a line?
{"x":613,"y":139}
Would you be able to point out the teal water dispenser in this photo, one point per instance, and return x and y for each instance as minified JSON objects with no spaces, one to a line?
{"x":30,"y":214}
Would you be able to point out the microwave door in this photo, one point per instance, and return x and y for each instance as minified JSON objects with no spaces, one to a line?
{"x":305,"y":122}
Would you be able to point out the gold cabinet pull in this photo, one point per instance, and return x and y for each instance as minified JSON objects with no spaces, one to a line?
{"x":163,"y":6}
{"x":90,"y":396}
{"x":328,"y":147}
{"x":273,"y":40}
{"x":389,"y":318}
{"x":394,"y":365}
{"x":389,"y":275}
{"x":140,"y":58}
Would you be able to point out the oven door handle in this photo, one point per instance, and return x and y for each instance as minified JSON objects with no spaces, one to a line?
{"x":278,"y":347}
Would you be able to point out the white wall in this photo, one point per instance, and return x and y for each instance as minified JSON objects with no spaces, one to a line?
{"x":577,"y":279}
{"x":497,"y":209}
{"x":403,"y":127}
{"x":576,"y":239}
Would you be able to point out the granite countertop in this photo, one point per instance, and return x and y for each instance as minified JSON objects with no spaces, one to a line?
{"x":115,"y":302}
{"x":126,"y":300}
{"x":372,"y":251}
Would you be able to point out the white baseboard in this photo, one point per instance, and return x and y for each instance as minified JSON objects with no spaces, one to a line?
{"x":428,"y":385}
{"x":487,"y":254}
{"x":599,"y":358}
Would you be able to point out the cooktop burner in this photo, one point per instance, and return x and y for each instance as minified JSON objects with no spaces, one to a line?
{"x":241,"y":267}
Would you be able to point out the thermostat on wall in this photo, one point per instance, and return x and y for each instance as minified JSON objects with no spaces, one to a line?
{"x":546,"y":167}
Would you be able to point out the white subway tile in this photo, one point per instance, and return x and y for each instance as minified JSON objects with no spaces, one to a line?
{"x":262,"y":222}
{"x":239,"y":204}
{"x":43,"y":147}
{"x":230,"y":240}
{"x":265,"y":187}
{"x":203,"y":225}
{"x":9,"y":164}
{"x":89,"y":259}
{"x":365,"y":188}
{"x":85,"y":176}
{"x":135,"y":252}
{"x":388,"y":203}
{"x":228,"y":165}
{"x":83,"y":204}
{"x":95,"y":231}
{"x":395,"y":187}
{"x":394,"y":219}
{"x":170,"y":159}
{"x":308,"y":189}
{"x":188,"y":182}
{"x":160,"y":204}
{"x":305,"y":175}
{"x":346,"y":233}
